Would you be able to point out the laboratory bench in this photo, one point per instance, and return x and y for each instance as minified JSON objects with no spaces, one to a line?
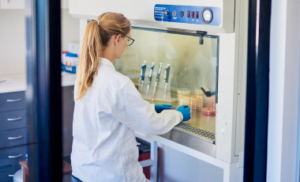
{"x":200,"y":125}
{"x":12,"y":83}
{"x":197,"y":133}
{"x":203,"y":127}
{"x":13,"y":122}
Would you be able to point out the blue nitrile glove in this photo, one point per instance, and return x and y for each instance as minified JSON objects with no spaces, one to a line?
{"x":185,"y":111}
{"x":161,"y":107}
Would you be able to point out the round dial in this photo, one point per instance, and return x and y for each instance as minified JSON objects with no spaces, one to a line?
{"x":181,"y":13}
{"x":167,"y":12}
{"x":174,"y":13}
{"x":207,"y":15}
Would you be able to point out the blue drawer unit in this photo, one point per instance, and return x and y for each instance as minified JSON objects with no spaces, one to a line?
{"x":7,"y":174}
{"x":12,"y":156}
{"x":13,"y":137}
{"x":12,"y":101}
{"x":13,"y":133}
{"x":12,"y":120}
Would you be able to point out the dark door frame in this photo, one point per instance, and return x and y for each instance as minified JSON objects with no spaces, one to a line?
{"x":257,"y":99}
{"x":43,"y":94}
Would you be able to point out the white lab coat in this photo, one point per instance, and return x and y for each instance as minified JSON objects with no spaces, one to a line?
{"x":104,"y":146}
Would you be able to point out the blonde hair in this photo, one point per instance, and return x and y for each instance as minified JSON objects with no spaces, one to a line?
{"x":95,"y":39}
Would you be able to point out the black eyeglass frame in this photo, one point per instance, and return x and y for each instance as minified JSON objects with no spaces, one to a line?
{"x":130,"y":39}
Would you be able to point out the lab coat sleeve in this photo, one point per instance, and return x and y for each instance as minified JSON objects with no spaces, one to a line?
{"x":139,"y":115}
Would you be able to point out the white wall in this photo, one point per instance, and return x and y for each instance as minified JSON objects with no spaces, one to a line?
{"x":284,"y":90}
{"x":70,"y":29}
{"x":12,"y":39}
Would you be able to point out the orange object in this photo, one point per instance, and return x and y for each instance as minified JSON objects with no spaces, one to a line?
{"x":208,"y":112}
{"x":196,"y":102}
{"x":67,"y":169}
{"x":212,"y":103}
{"x":146,"y":170}
{"x":211,"y":110}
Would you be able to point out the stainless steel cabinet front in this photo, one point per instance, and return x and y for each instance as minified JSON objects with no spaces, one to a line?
{"x":12,"y":120}
{"x":7,"y":174}
{"x":13,"y":137}
{"x":12,"y":156}
{"x":12,"y":101}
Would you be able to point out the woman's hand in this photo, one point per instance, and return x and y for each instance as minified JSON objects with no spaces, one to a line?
{"x":185,"y":111}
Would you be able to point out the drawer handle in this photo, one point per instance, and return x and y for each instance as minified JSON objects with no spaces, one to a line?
{"x":15,"y":138}
{"x":13,"y":100}
{"x":13,"y":157}
{"x":14,"y":119}
{"x":11,"y":175}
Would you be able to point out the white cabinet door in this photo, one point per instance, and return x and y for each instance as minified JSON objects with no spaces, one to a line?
{"x":12,"y":4}
{"x":20,"y":4}
{"x":64,"y":4}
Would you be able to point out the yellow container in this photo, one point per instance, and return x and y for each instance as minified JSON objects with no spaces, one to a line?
{"x":183,"y":96}
{"x":196,"y":102}
{"x":199,"y":93}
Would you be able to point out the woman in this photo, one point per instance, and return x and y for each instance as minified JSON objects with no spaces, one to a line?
{"x":108,"y":108}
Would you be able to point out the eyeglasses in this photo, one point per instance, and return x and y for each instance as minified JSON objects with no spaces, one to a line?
{"x":130,"y":41}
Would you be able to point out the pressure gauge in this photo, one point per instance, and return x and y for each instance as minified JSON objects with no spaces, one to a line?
{"x":207,"y":15}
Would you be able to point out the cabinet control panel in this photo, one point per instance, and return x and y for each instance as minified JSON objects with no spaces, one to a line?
{"x":188,"y":14}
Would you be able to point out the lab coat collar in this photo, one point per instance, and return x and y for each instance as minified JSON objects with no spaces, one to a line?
{"x":107,"y":62}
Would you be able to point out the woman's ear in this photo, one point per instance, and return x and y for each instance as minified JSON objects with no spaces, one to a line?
{"x":117,"y":38}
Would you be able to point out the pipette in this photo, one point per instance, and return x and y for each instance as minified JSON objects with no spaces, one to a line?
{"x":167,"y":72}
{"x":157,"y":79}
{"x":150,"y":77}
{"x":143,"y":70}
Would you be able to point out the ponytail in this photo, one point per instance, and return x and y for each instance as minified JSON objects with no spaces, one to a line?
{"x":96,"y":37}
{"x":91,"y":51}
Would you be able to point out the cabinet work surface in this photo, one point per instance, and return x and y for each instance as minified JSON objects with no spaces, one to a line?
{"x":17,"y":82}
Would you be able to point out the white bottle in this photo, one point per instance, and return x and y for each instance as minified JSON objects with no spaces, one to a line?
{"x":18,"y":176}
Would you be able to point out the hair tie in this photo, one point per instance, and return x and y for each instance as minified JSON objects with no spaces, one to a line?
{"x":98,"y":22}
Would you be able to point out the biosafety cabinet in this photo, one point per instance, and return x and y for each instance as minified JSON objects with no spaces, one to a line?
{"x":191,"y":53}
